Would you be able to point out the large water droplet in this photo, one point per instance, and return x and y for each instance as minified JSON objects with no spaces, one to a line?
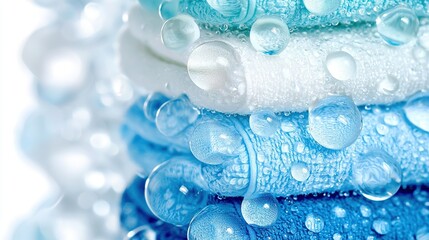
{"x":264,"y":123}
{"x":228,"y":8}
{"x":212,"y":64}
{"x":152,"y":103}
{"x":174,"y":191}
{"x":168,"y":9}
{"x":214,"y":143}
{"x":300,"y":171}
{"x":398,"y":25}
{"x":335,"y":122}
{"x":377,"y":175}
{"x":314,"y":223}
{"x":175,"y":116}
{"x":381,"y":226}
{"x":261,"y":211}
{"x":180,"y":32}
{"x":269,"y":35}
{"x":341,"y":65}
{"x":322,"y":7}
{"x":389,"y":85}
{"x":218,"y":222}
{"x":417,"y":111}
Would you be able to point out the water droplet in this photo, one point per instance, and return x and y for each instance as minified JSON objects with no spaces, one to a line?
{"x":261,"y":211}
{"x":299,"y":147}
{"x":287,"y":126}
{"x":381,"y":226}
{"x":422,"y":233}
{"x":382,"y":129}
{"x":335,"y":122}
{"x":142,"y":232}
{"x":176,"y":115}
{"x":285,"y":148}
{"x":389,"y":85}
{"x":180,"y":32}
{"x":391,"y":119}
{"x":365,"y":211}
{"x":218,"y":222}
{"x":424,"y":41}
{"x":213,"y":64}
{"x":228,"y":8}
{"x":377,"y":175}
{"x":398,"y":25}
{"x":339,"y":212}
{"x":337,"y":236}
{"x":152,"y":103}
{"x":322,"y":7}
{"x":300,"y":171}
{"x":264,"y":123}
{"x":168,"y":9}
{"x":417,"y":111}
{"x":314,"y":223}
{"x":214,"y":143}
{"x":173,"y":191}
{"x":269,"y":35}
{"x":341,"y":65}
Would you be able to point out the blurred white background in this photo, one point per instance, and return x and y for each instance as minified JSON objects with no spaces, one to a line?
{"x":23,"y":186}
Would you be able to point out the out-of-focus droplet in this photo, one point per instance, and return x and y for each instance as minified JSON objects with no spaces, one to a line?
{"x":180,"y":32}
{"x":264,"y":123}
{"x":140,"y":233}
{"x":300,"y":171}
{"x":422,"y":233}
{"x":314,"y":223}
{"x":213,"y":64}
{"x":174,"y":191}
{"x":218,"y":222}
{"x":341,"y":65}
{"x":168,"y":9}
{"x":377,"y":175}
{"x":214,"y":143}
{"x":335,"y":122}
{"x":269,"y":35}
{"x":417,"y":111}
{"x":322,"y":7}
{"x":261,"y":211}
{"x":228,"y":8}
{"x":389,"y":85}
{"x":398,"y":26}
{"x":381,"y":226}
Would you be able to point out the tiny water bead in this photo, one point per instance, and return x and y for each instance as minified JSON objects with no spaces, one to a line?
{"x":335,"y":122}
{"x":213,"y":64}
{"x":174,"y":193}
{"x":381,"y":226}
{"x":180,"y":32}
{"x":365,"y":211}
{"x":341,"y":65}
{"x":314,"y":223}
{"x":377,"y":175}
{"x":168,"y":9}
{"x":218,"y":222}
{"x":269,"y":35}
{"x":322,"y":7}
{"x":417,"y":110}
{"x":389,"y":85}
{"x":228,"y":8}
{"x":264,"y":123}
{"x":213,"y":142}
{"x":261,"y":211}
{"x":300,"y":171}
{"x":398,"y":26}
{"x":152,"y":103}
{"x":176,"y":115}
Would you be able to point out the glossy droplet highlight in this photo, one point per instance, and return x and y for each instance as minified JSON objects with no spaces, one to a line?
{"x":264,"y":123}
{"x":377,"y":175}
{"x":218,"y":222}
{"x":389,"y":85}
{"x":314,"y":223}
{"x":261,"y":211}
{"x":417,"y":111}
{"x":228,"y":8}
{"x":142,"y":232}
{"x":322,"y":7}
{"x":335,"y":122}
{"x":214,"y":143}
{"x":213,"y":64}
{"x":398,"y":26}
{"x":269,"y":35}
{"x":341,"y":65}
{"x":176,"y":115}
{"x":174,"y":191}
{"x":300,"y":171}
{"x":179,"y":32}
{"x":168,"y":9}
{"x":381,"y":226}
{"x":152,"y":103}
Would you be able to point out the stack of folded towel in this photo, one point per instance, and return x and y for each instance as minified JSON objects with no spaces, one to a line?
{"x":278,"y":119}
